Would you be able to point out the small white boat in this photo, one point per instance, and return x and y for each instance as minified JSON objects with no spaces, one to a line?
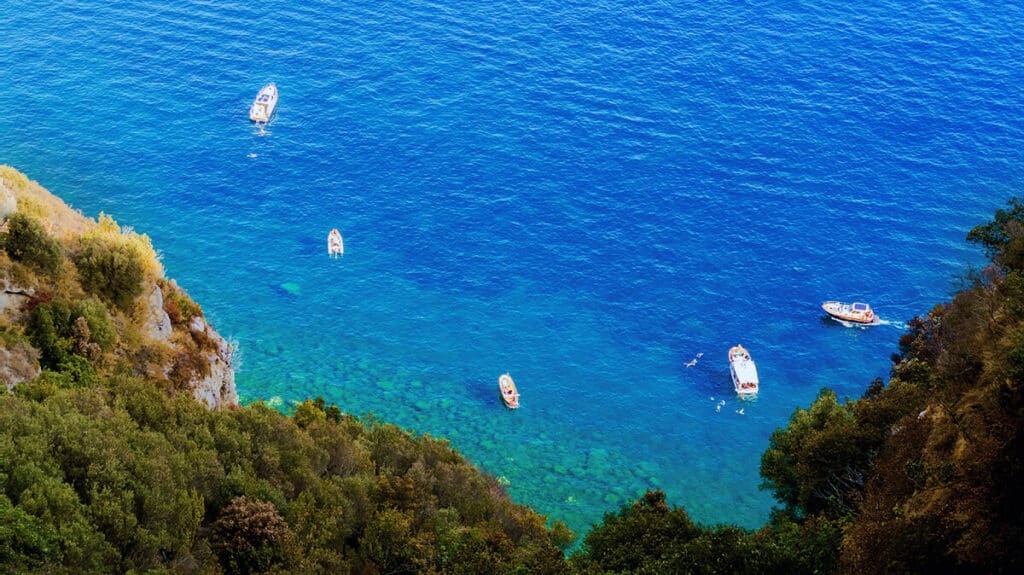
{"x":743,"y":371}
{"x":856,"y":312}
{"x":335,"y":243}
{"x":264,"y":104}
{"x":509,"y":393}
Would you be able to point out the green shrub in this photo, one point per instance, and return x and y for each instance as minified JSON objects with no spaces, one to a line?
{"x":1003,"y":237}
{"x":816,"y":463}
{"x":55,"y":329}
{"x":25,"y":241}
{"x":78,"y":371}
{"x":44,"y":330}
{"x":101,"y":327}
{"x":111,"y":270}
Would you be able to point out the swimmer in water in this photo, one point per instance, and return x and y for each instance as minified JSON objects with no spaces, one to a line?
{"x":691,"y":363}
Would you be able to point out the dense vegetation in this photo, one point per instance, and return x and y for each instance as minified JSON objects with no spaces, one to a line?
{"x":121,"y":476}
{"x":108,"y":464}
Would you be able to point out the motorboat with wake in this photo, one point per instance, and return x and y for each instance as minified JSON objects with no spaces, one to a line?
{"x":857,"y":312}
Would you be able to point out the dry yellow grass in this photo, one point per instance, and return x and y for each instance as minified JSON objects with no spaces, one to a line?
{"x":58,"y":219}
{"x":69,"y":225}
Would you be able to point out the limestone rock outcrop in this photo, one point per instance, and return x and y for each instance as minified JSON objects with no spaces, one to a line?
{"x":217,"y":389}
{"x":19,"y":362}
{"x":157,"y":324}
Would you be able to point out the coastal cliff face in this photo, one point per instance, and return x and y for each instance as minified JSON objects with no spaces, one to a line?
{"x":82,"y":294}
{"x":217,"y":389}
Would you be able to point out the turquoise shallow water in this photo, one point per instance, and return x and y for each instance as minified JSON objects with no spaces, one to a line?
{"x":583,"y":194}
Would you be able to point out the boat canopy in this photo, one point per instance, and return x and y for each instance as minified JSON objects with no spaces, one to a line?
{"x":745,"y":370}
{"x":860,"y":306}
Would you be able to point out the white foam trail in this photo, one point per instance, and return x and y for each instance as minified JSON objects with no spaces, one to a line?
{"x":880,"y":321}
{"x":895,"y":324}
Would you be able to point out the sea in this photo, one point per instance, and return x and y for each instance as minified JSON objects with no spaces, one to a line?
{"x":587,"y":195}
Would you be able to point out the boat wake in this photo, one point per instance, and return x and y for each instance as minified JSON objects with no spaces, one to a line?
{"x":895,"y":324}
{"x":878,"y":321}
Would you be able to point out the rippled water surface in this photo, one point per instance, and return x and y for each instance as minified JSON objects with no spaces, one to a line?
{"x":584,"y":194}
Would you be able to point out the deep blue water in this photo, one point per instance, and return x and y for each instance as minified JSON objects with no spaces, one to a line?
{"x":585,"y":194}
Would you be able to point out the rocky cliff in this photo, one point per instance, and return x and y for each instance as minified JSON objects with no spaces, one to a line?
{"x":76,"y":290}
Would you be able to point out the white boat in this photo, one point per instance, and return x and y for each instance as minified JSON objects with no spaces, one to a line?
{"x":335,"y":243}
{"x":743,"y":371}
{"x":264,"y":104}
{"x":856,"y":312}
{"x":509,"y":393}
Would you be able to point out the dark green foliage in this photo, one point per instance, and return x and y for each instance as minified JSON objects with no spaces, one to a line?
{"x":1015,"y":359}
{"x":25,"y":241}
{"x":819,"y":462}
{"x":648,"y":537}
{"x":1013,"y":292}
{"x":638,"y":534}
{"x":111,"y":270}
{"x":45,"y":331}
{"x":26,"y":543}
{"x":66,"y":333}
{"x":1003,"y":237}
{"x":118,"y":477}
{"x":802,"y":546}
{"x":75,"y":371}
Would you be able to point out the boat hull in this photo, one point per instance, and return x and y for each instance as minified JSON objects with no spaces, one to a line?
{"x":743,"y":372}
{"x":852,"y":319}
{"x":335,"y":243}
{"x":263,"y":106}
{"x":509,"y":393}
{"x":848,"y":312}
